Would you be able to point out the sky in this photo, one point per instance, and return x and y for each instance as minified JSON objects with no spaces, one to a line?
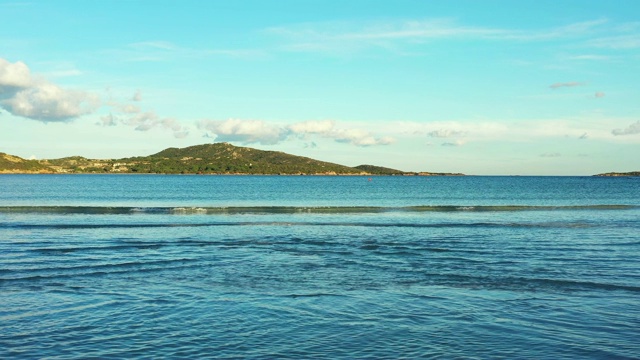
{"x":482,"y":87}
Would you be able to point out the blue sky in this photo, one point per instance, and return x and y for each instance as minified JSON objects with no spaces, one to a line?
{"x":480,"y":87}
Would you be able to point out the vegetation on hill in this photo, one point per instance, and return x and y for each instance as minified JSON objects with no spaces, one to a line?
{"x":14,"y":164}
{"x":379,"y":170}
{"x":632,"y":173}
{"x":219,"y":158}
{"x":224,"y":158}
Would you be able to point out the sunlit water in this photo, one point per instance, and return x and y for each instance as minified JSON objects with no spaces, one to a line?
{"x":319,"y":267}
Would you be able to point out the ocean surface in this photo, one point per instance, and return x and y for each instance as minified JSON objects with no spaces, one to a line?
{"x":299,"y":267}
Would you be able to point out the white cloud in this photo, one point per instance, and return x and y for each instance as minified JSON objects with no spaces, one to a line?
{"x":595,"y":127}
{"x":327,"y":129}
{"x":323,"y":127}
{"x":130,"y":109}
{"x":64,"y":73}
{"x":351,"y":36}
{"x":450,"y":129}
{"x":244,"y":131}
{"x":48,"y":102}
{"x":579,"y":28}
{"x":142,"y":121}
{"x":146,"y":121}
{"x":567,"y":84}
{"x":630,"y":130}
{"x":425,"y":29}
{"x":181,"y":134}
{"x":625,"y":36}
{"x":360,"y":137}
{"x":60,"y":69}
{"x":589,"y":57}
{"x":162,"y":51}
{"x":23,"y":94}
{"x":258,"y":131}
{"x":453,"y":143}
{"x":14,"y":75}
{"x":31,"y":97}
{"x":108,"y":120}
{"x":621,"y":42}
{"x":330,"y":37}
{"x":128,"y":114}
{"x":446,"y":133}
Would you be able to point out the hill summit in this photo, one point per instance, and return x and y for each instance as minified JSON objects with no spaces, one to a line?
{"x":224,"y":158}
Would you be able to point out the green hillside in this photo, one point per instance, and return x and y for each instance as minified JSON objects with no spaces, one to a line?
{"x":10,"y":164}
{"x":379,"y":170}
{"x":219,"y":158}
{"x":224,"y":158}
{"x":631,"y":173}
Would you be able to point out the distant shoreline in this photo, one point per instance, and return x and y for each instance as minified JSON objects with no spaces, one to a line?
{"x":620,"y":175}
{"x":631,"y":173}
{"x":222,"y":174}
{"x":209,"y":159}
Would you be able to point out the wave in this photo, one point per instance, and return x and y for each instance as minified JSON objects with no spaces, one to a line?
{"x":449,"y":279}
{"x":73,"y":271}
{"x":124,"y":210}
{"x":530,"y":284}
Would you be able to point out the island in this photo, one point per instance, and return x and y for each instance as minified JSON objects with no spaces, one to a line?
{"x":216,"y":158}
{"x":631,"y":173}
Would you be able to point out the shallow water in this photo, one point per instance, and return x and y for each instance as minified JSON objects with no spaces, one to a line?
{"x":319,"y":267}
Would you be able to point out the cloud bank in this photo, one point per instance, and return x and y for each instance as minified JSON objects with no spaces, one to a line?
{"x":446,"y":133}
{"x":133,"y":116}
{"x":258,"y":131}
{"x":327,"y":129}
{"x":25,"y":95}
{"x":244,"y":131}
{"x":629,"y":130}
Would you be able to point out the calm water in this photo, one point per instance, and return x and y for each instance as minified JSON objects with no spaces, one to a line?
{"x":319,"y":267}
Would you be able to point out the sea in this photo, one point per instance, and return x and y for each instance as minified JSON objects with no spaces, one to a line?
{"x":319,"y":267}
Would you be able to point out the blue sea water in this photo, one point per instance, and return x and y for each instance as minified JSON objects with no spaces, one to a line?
{"x":263,"y":267}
